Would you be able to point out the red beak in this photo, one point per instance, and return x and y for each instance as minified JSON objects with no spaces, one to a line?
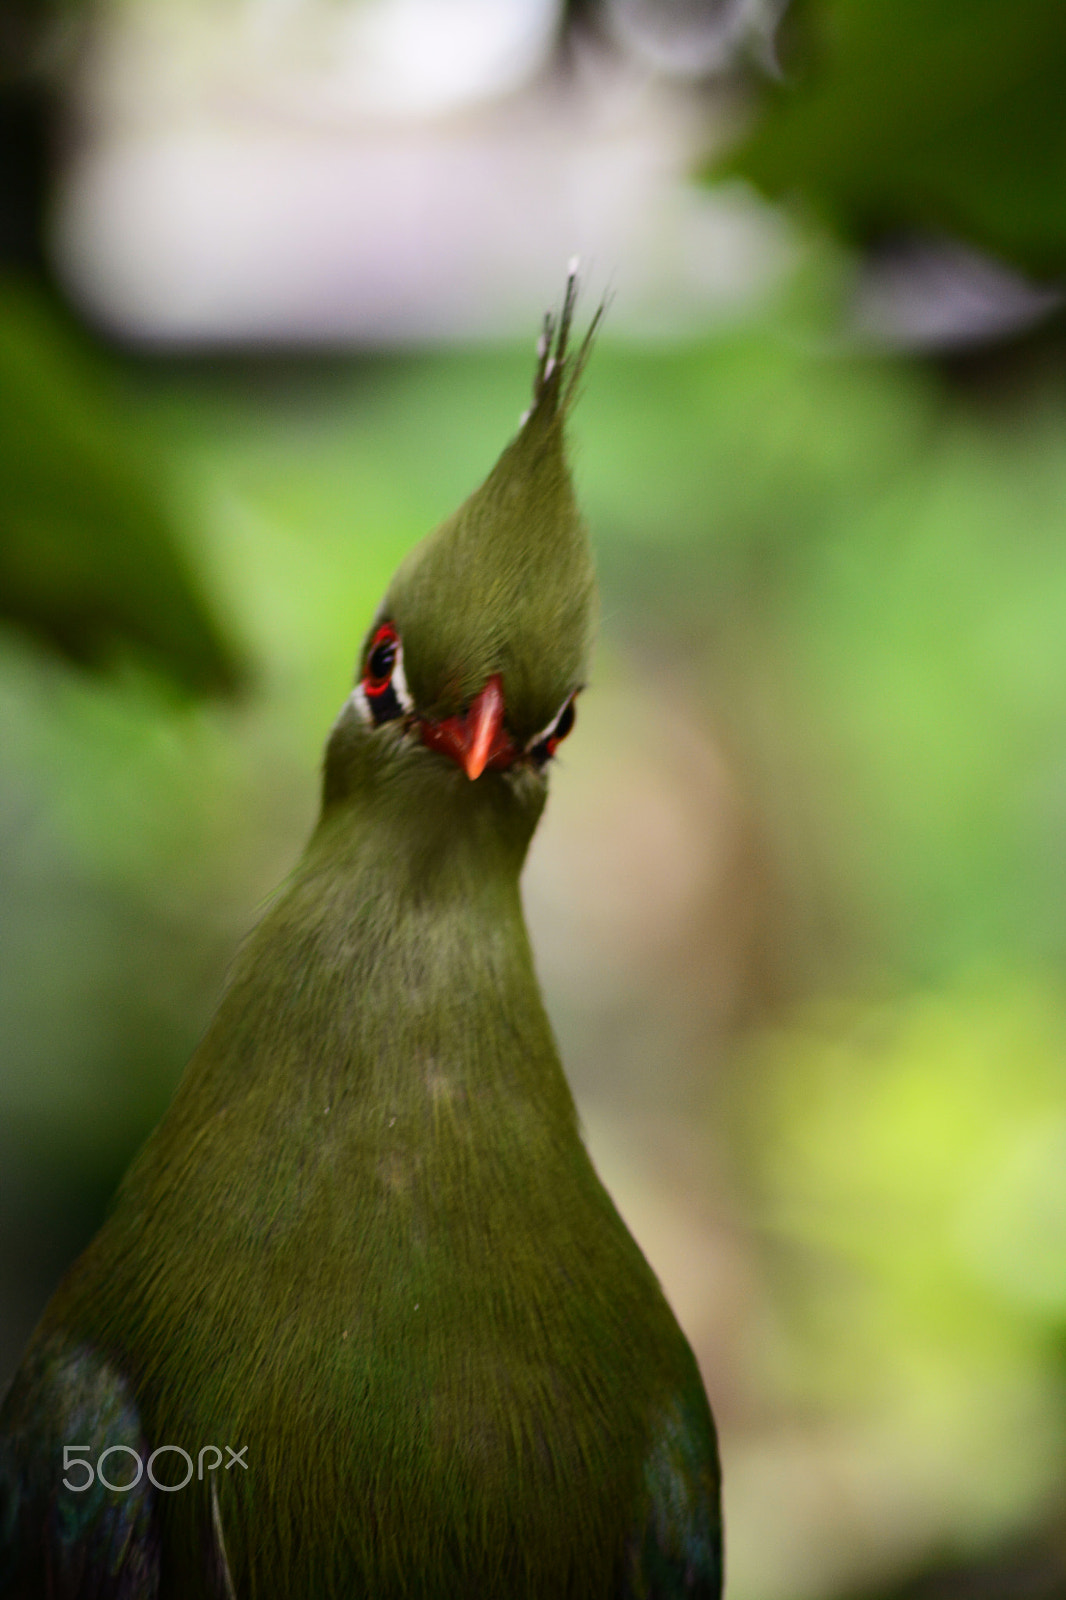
{"x":477,"y":740}
{"x":484,"y":721}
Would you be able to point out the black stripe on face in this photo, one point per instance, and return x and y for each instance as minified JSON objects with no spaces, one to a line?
{"x":543,"y":746}
{"x":384,"y":704}
{"x":382,"y":690}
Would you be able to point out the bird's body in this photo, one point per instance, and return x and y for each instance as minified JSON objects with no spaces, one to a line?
{"x":366,"y":1247}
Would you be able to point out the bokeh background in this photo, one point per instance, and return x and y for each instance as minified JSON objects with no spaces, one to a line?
{"x":270,"y":275}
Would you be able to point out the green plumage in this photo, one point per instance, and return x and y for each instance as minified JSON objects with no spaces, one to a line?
{"x":366,"y":1241}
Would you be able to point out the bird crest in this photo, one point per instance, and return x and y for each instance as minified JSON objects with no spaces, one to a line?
{"x":506,"y":585}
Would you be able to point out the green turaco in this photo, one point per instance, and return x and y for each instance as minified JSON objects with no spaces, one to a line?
{"x":362,"y":1321}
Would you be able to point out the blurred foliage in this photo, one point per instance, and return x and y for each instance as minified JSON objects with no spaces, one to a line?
{"x":89,"y":557}
{"x":874,"y":575}
{"x":908,"y":1162}
{"x":943,"y":116}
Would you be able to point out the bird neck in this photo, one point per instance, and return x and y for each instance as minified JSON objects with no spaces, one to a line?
{"x":396,"y":957}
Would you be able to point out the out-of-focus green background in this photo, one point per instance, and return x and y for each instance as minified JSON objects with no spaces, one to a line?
{"x":798,"y":902}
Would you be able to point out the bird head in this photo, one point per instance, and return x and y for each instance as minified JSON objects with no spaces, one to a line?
{"x":480,"y":646}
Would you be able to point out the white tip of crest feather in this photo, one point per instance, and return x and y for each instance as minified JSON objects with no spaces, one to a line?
{"x":555,"y":359}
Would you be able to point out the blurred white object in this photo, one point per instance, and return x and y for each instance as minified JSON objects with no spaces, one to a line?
{"x":924,"y":293}
{"x":424,"y":57}
{"x":335,"y":171}
{"x":695,"y":38}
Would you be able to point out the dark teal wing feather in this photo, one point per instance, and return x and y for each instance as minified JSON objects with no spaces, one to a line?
{"x":58,"y":1543}
{"x":677,"y":1555}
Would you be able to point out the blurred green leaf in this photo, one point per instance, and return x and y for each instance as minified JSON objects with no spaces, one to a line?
{"x":90,"y":557}
{"x":938,"y":115}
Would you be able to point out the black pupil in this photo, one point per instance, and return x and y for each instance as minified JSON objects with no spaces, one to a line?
{"x":565,"y":723}
{"x":382,"y":658}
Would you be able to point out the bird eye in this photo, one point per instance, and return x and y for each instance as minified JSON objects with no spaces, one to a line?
{"x":544,"y":745}
{"x":381,"y":660}
{"x":382,"y":691}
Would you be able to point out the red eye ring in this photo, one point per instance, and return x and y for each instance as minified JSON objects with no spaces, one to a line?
{"x":381,"y":659}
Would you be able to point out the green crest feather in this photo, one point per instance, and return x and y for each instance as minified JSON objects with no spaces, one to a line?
{"x":507,"y":583}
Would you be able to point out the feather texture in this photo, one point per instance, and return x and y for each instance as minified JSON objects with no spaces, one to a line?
{"x":366,"y":1244}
